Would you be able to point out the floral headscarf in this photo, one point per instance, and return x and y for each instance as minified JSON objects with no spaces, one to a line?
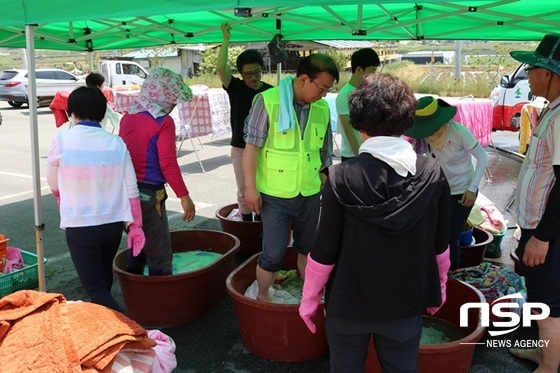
{"x":160,"y":91}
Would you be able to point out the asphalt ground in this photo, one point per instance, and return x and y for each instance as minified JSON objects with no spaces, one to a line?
{"x":212,"y":343}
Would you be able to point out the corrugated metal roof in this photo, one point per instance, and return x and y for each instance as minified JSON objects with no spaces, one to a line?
{"x":346,"y":44}
{"x":198,"y":47}
{"x":147,"y":53}
{"x":429,"y":53}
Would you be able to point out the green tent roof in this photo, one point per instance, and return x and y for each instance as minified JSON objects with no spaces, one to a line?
{"x":120,"y":24}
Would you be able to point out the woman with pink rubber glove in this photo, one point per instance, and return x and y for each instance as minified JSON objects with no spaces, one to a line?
{"x":91,"y":175}
{"x":381,"y":237}
{"x":148,"y":131}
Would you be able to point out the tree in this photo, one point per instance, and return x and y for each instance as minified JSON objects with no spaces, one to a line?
{"x":340,"y":59}
{"x":210,"y":59}
{"x":156,"y":55}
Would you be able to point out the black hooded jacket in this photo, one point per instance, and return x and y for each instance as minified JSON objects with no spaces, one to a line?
{"x":383,"y":232}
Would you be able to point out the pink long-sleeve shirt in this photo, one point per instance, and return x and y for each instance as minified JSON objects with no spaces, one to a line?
{"x":151,"y":143}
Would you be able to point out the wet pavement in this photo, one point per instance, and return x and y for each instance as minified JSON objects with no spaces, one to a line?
{"x":212,"y":343}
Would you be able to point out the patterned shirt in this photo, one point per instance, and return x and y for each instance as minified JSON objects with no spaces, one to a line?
{"x":536,"y":177}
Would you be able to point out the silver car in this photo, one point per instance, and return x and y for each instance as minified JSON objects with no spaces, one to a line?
{"x":13,"y":85}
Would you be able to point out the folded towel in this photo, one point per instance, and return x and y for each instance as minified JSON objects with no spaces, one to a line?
{"x":486,"y":215}
{"x":287,"y":118}
{"x":165,"y":360}
{"x":14,"y":259}
{"x":63,"y":337}
{"x":475,"y":216}
{"x":134,"y":361}
{"x":394,"y":151}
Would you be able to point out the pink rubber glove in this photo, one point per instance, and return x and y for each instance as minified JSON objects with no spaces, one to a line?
{"x":56,"y":194}
{"x":136,"y":238}
{"x":316,"y":276}
{"x":443,"y":263}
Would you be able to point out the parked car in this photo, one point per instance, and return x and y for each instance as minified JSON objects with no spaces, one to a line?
{"x":13,"y":85}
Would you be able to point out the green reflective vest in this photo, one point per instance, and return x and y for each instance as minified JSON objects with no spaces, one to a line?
{"x":289,"y":163}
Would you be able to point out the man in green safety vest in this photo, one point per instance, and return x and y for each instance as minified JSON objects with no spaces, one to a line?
{"x":288,"y":141}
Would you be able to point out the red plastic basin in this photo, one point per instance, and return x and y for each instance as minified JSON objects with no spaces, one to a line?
{"x":274,"y":331}
{"x":175,"y":299}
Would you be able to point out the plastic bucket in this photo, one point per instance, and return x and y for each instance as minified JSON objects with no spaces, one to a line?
{"x":465,"y":238}
{"x":494,"y":249}
{"x":472,"y":255}
{"x":271,"y":330}
{"x":159,"y":301}
{"x":248,"y":232}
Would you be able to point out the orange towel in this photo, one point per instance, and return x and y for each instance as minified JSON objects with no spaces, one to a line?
{"x":36,"y":338}
{"x":42,"y":332}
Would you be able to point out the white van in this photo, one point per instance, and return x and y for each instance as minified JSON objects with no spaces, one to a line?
{"x":122,"y":72}
{"x":509,"y":98}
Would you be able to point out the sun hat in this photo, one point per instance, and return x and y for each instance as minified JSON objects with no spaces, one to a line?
{"x":546,"y":56}
{"x":431,"y":114}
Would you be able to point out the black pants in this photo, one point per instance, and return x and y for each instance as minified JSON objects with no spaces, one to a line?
{"x":543,"y":281}
{"x":396,"y":342}
{"x":157,"y":252}
{"x":458,"y":216}
{"x":92,"y":250}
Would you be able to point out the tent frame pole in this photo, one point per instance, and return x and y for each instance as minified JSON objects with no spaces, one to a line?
{"x":33,"y":122}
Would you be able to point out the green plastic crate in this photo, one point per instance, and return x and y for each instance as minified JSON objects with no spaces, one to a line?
{"x":21,"y":279}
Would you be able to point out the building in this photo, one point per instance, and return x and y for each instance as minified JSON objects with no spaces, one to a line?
{"x":425,"y":57}
{"x":183,"y":60}
{"x":299,"y":49}
{"x":387,"y":53}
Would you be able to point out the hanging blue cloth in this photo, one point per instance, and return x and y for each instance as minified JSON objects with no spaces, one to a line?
{"x":286,"y":118}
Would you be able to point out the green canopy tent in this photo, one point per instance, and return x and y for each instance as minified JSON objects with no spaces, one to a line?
{"x":119,"y":24}
{"x":122,"y":24}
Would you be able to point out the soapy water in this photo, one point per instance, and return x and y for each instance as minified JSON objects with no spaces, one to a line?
{"x":435,"y":331}
{"x":190,"y":261}
{"x":286,"y":289}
